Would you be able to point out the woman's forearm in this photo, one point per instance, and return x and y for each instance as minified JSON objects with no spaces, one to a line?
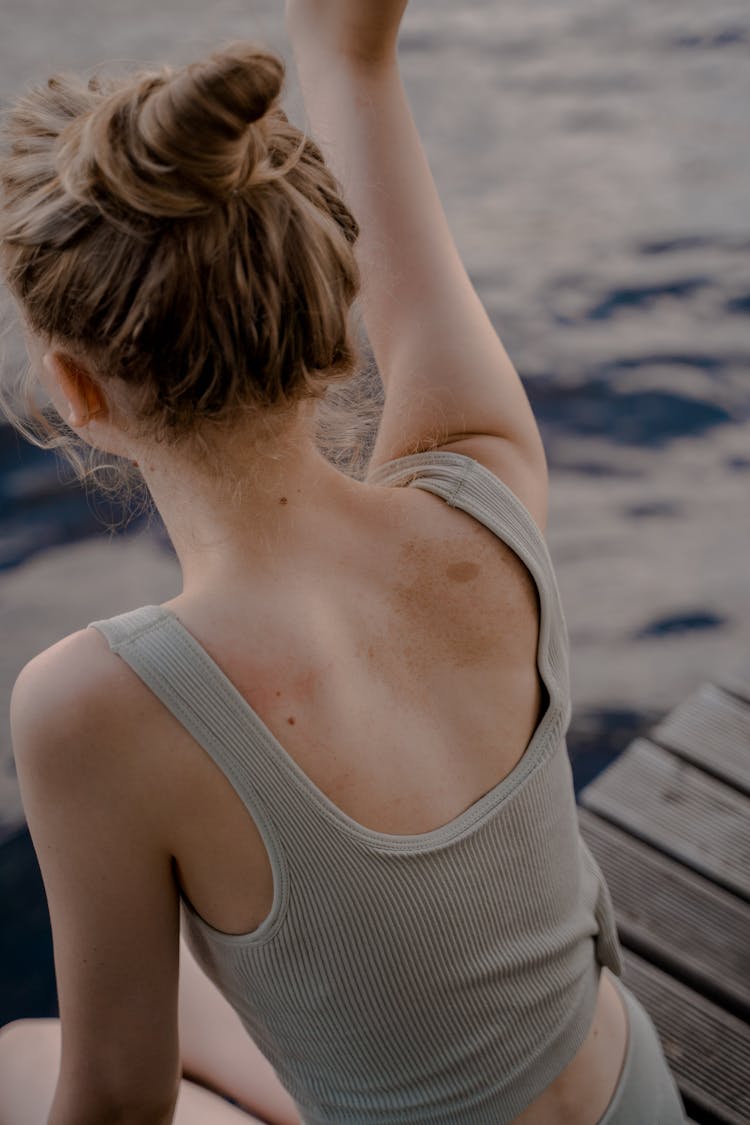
{"x":365,"y":30}
{"x":360,"y":115}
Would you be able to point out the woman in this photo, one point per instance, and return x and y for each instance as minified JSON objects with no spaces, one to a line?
{"x":338,"y":755}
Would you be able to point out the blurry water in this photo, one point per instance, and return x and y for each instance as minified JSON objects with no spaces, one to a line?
{"x":592,"y":156}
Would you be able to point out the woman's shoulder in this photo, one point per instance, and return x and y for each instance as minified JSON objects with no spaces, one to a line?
{"x":67,"y":702}
{"x":524,"y":473}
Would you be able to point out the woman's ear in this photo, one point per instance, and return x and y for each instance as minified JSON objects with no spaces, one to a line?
{"x":75,"y":393}
{"x":83,"y":405}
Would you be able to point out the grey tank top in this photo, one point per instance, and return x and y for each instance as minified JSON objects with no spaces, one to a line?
{"x":444,"y":977}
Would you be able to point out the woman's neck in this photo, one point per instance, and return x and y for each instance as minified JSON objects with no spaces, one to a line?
{"x":268,"y":504}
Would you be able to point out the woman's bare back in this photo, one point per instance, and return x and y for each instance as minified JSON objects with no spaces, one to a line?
{"x":403,"y":682}
{"x":401,"y":676}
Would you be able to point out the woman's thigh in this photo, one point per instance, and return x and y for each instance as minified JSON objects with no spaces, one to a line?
{"x":29,"y":1065}
{"x":217,"y":1051}
{"x":198,"y":1106}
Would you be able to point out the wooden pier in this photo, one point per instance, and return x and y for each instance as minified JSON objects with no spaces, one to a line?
{"x":669,"y":824}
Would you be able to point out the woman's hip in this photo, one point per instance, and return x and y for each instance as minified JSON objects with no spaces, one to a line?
{"x":646,"y":1093}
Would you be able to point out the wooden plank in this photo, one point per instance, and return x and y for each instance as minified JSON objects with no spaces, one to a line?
{"x":711,"y":729}
{"x":676,"y":919}
{"x":679,"y":809}
{"x":707,"y":1049}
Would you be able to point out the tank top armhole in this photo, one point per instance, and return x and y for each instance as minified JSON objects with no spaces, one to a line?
{"x":467,"y":484}
{"x":182,"y":675}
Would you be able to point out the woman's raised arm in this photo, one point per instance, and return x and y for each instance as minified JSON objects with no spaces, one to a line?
{"x":448,"y":378}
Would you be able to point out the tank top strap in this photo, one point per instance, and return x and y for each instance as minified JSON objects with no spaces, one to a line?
{"x":184,"y":677}
{"x":465,"y":483}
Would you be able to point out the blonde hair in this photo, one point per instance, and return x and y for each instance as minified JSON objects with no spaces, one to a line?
{"x":178,"y":233}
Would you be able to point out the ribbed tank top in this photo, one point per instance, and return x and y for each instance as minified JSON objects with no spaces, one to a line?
{"x":443,"y":978}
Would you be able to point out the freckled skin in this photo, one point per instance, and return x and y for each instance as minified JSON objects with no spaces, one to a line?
{"x":283,"y":500}
{"x":452,"y":574}
{"x":462,"y":571}
{"x":394,"y":662}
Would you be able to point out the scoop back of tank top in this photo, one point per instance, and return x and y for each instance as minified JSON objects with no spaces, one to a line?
{"x":442,"y":978}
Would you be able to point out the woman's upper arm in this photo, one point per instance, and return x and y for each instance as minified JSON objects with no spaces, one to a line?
{"x":112,"y":898}
{"x":446,"y":372}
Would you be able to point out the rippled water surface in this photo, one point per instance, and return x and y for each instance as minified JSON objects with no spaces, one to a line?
{"x":593,"y":160}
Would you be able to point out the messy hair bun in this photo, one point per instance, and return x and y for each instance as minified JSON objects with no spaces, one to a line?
{"x":179,"y":141}
{"x":176,"y":231}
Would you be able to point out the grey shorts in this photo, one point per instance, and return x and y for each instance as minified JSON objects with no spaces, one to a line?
{"x":646,"y":1093}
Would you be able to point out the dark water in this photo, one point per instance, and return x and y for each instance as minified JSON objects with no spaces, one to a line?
{"x":593,"y":161}
{"x":27,"y":975}
{"x":42,"y":506}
